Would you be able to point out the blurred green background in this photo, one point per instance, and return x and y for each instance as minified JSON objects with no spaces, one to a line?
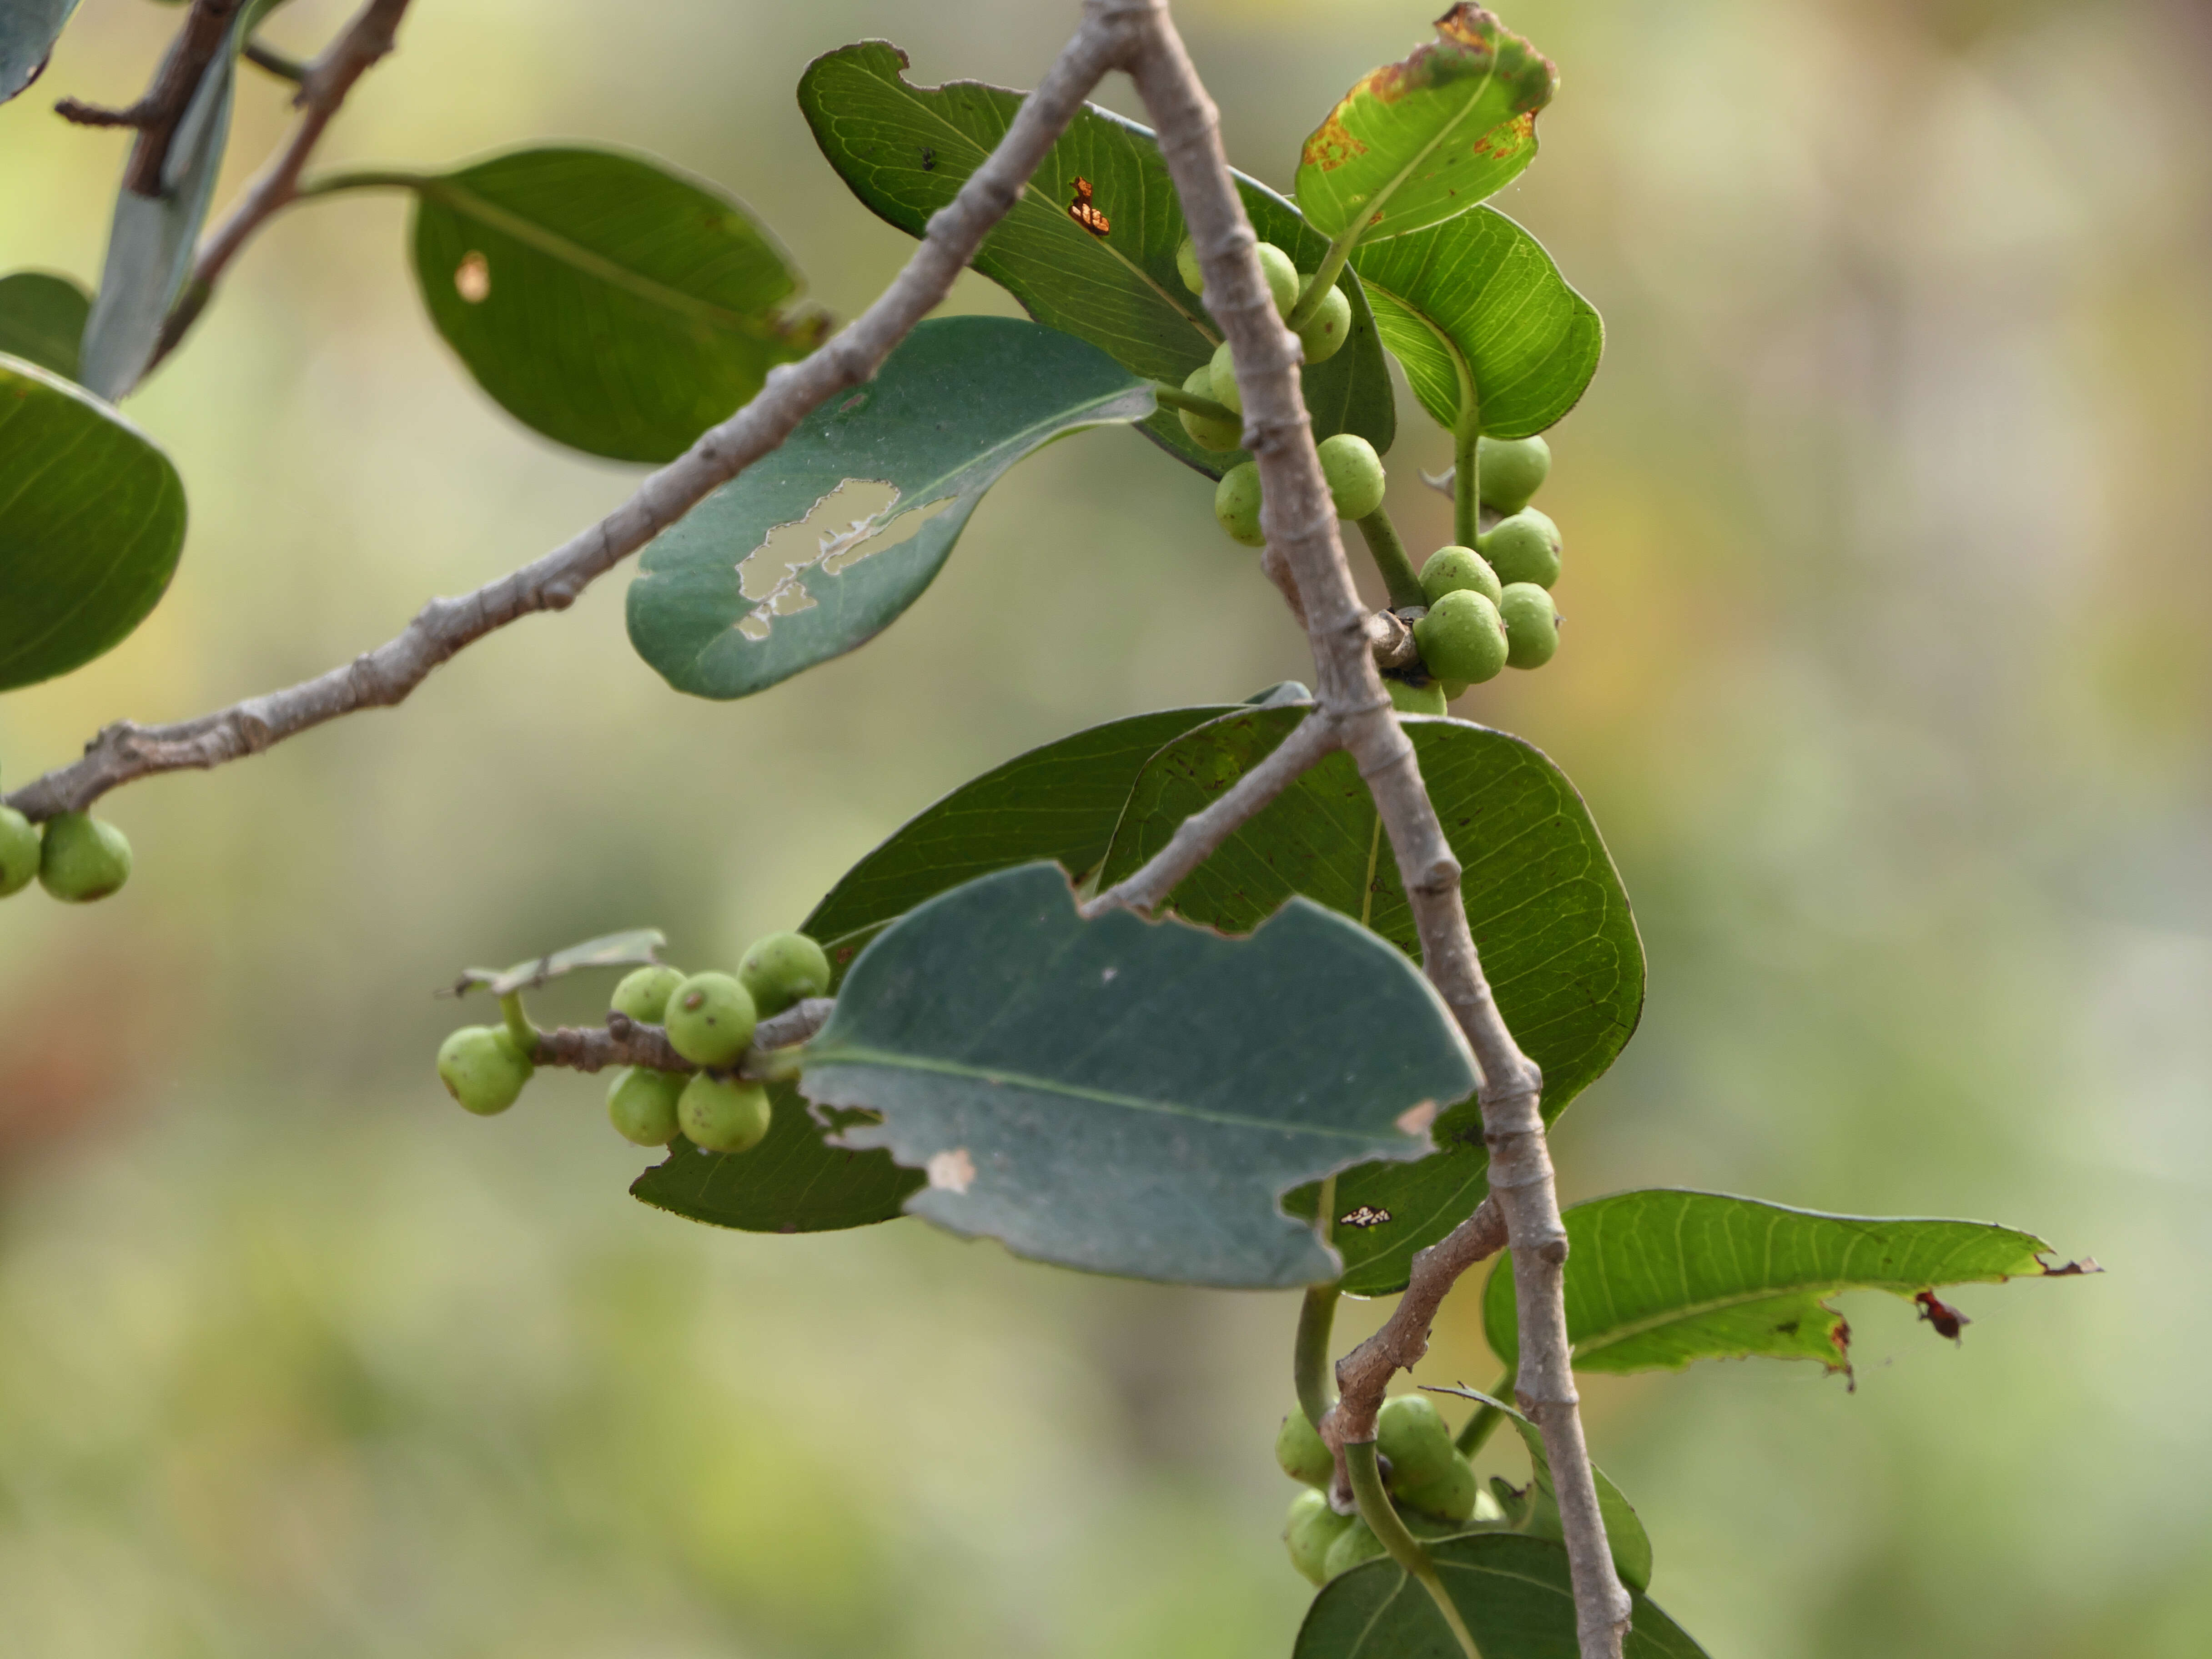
{"x":1885,"y":674}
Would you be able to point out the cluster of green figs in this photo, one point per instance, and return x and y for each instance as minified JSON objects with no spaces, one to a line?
{"x":75,"y":856}
{"x":709,"y":1020}
{"x":1432,"y":1488}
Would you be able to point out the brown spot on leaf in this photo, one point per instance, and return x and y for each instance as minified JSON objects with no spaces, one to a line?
{"x":1331,"y":144}
{"x":2087,"y":1264}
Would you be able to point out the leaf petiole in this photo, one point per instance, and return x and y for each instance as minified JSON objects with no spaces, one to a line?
{"x":1375,"y":1509}
{"x":1387,"y":548}
{"x":1324,"y":278}
{"x":1174,"y":397}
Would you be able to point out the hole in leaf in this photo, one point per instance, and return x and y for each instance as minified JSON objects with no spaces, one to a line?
{"x":854,"y":521}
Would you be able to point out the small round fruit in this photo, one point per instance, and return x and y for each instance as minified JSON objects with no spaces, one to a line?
{"x":1416,"y":699}
{"x":641,"y":1104}
{"x":1302,"y":1453}
{"x":1410,"y":1432}
{"x":723,"y":1115}
{"x":1205,"y":431}
{"x":1237,"y":504}
{"x":1281,"y":274}
{"x":1447,"y":1492}
{"x":83,"y":858}
{"x":710,"y":1019}
{"x":19,"y":851}
{"x":643,"y":996}
{"x":1309,"y":1531}
{"x":781,"y":969}
{"x":1355,"y":1544}
{"x":482,"y":1067}
{"x":1354,"y":473}
{"x":1330,"y":326}
{"x":1221,"y":375}
{"x":1186,"y":266}
{"x":1524,"y":548}
{"x":1462,"y":639}
{"x":1532,"y":626}
{"x":1512,"y":470}
{"x":1449,"y":569}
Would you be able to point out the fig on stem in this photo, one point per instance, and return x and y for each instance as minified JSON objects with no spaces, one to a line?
{"x":781,"y":969}
{"x":1462,"y":639}
{"x":643,"y":994}
{"x":1532,"y":625}
{"x":82,"y":858}
{"x":1354,"y":473}
{"x":485,"y":1068}
{"x":1237,"y":504}
{"x":723,"y":1115}
{"x":1522,"y":548}
{"x":641,"y":1104}
{"x":1512,"y":471}
{"x":710,"y":1019}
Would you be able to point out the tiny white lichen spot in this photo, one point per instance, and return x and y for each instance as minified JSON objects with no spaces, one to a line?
{"x":954,"y":1171}
{"x":856,"y":520}
{"x":472,"y":279}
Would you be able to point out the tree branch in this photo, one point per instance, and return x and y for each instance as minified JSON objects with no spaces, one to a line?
{"x":625,"y":1042}
{"x":206,"y":28}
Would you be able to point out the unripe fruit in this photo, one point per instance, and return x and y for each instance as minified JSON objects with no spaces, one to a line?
{"x":1416,"y":699}
{"x":1205,"y":431}
{"x":1330,"y":326}
{"x":1221,"y":375}
{"x":19,"y":851}
{"x":1186,"y":266}
{"x":1237,"y":504}
{"x":1354,"y":473}
{"x":1462,"y":639}
{"x":1511,"y":470}
{"x":1281,"y":272}
{"x":723,"y":1115}
{"x":781,"y":969}
{"x":1451,"y":569}
{"x":1355,"y":1544}
{"x":1447,"y":1492}
{"x":1302,"y":1453}
{"x":1309,"y":1531}
{"x":710,"y":1019}
{"x":1532,"y":626}
{"x":483,"y":1068}
{"x":643,"y":996}
{"x":1410,"y":1432}
{"x":641,"y":1104}
{"x":83,"y":858}
{"x":1524,"y":548}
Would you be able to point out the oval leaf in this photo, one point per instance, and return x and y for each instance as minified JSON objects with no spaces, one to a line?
{"x":1515,"y":1594}
{"x":1478,"y":293}
{"x":603,"y":299}
{"x":632,"y":948}
{"x":92,"y":520}
{"x":42,"y":319}
{"x":1129,"y":1097}
{"x":1546,"y":907}
{"x":1658,"y":1278}
{"x":1416,"y":142}
{"x":816,"y":548}
{"x":29,"y":29}
{"x":906,"y":150}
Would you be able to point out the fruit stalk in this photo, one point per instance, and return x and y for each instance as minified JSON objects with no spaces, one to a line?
{"x":1387,"y":548}
{"x":1382,"y":1518}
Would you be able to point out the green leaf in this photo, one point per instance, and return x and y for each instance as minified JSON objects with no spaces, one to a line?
{"x":93,"y":521}
{"x":1549,"y":917}
{"x":634,"y":948}
{"x":1515,"y":1594}
{"x":42,"y":319}
{"x":906,"y":150}
{"x":1129,"y":1097}
{"x":604,"y":298}
{"x":1658,"y":1278}
{"x":818,"y":547}
{"x":29,"y":29}
{"x":1477,"y":295}
{"x":1416,"y":142}
{"x":1534,"y":1511}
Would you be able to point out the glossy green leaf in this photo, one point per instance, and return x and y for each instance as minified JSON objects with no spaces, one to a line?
{"x":42,"y":319}
{"x":1418,"y":142}
{"x":603,"y":299}
{"x":1533,"y":1510}
{"x":1514,"y":1593}
{"x":1129,"y":1097}
{"x":29,"y":29}
{"x":1658,"y":1278}
{"x":818,"y":547}
{"x":632,"y":948}
{"x":906,"y":150}
{"x":92,"y":520}
{"x":1477,"y":296}
{"x":1549,"y":917}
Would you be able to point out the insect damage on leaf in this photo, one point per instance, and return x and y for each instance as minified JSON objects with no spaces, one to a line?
{"x":1085,"y":212}
{"x":953,"y":1171}
{"x":1946,"y":1320}
{"x":856,"y":520}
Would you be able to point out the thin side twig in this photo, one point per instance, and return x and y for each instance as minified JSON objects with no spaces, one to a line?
{"x":625,"y":1042}
{"x":206,"y":29}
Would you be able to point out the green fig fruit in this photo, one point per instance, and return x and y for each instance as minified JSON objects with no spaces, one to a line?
{"x":1354,"y":473}
{"x":1410,"y":1432}
{"x":1416,"y":699}
{"x":643,"y":994}
{"x":1207,"y":432}
{"x":1510,"y":471}
{"x":83,"y":858}
{"x":19,"y":851}
{"x":1355,"y":1544}
{"x":1187,"y":266}
{"x":1532,"y":625}
{"x":781,"y":969}
{"x":723,"y":1115}
{"x":1309,"y":1531}
{"x":641,"y":1104}
{"x":1462,"y":639}
{"x":1330,"y":326}
{"x":1237,"y":504}
{"x":1281,"y":275}
{"x":1447,"y":1492}
{"x":1451,"y":569}
{"x":1301,"y":1451}
{"x":1221,"y":375}
{"x":710,"y":1019}
{"x":1524,"y":548}
{"x":483,"y":1068}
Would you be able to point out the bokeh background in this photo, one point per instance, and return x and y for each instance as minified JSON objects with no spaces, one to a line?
{"x":1886,"y":675}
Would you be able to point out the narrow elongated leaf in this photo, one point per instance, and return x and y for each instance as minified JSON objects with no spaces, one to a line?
{"x":42,"y":319}
{"x":1514,"y":1593}
{"x":1658,"y":1278}
{"x":906,"y":150}
{"x":1129,"y":1097}
{"x":1549,"y":916}
{"x":92,"y":520}
{"x":816,"y":548}
{"x":1534,"y":1511}
{"x":1478,"y":296}
{"x":633,"y":948}
{"x":1418,"y":142}
{"x":603,"y":299}
{"x":29,"y":29}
